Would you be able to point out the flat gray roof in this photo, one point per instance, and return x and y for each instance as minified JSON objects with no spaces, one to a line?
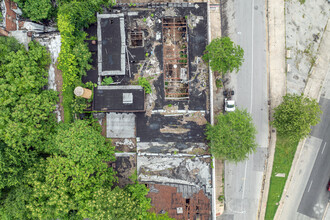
{"x":111,"y":44}
{"x":120,"y":125}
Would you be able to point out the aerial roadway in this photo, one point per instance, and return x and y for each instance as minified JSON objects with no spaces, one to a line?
{"x":243,"y":181}
{"x":308,"y":197}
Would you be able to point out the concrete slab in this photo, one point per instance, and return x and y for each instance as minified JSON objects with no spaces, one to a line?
{"x":304,"y":25}
{"x":121,"y":125}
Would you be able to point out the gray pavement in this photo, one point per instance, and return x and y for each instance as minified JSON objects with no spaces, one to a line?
{"x":316,"y":196}
{"x":312,"y":205}
{"x":307,"y":197}
{"x":243,"y":180}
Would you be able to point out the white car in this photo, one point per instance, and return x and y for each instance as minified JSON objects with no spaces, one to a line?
{"x":229,"y":105}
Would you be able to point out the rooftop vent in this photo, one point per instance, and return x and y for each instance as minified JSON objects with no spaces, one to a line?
{"x":179,"y":210}
{"x":127,"y":98}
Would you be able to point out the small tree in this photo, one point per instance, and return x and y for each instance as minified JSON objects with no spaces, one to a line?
{"x":233,"y":136}
{"x":223,"y":55}
{"x":295,"y":115}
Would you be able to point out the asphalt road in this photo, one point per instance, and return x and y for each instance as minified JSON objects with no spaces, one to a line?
{"x":316,"y":196}
{"x":243,"y":180}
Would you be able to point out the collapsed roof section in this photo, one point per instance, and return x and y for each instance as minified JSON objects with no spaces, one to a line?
{"x":175,"y":58}
{"x":180,"y":201}
{"x":111,"y":45}
{"x":166,"y":169}
{"x":179,"y":185}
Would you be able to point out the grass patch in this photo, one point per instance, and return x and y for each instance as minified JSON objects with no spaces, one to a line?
{"x":302,"y":1}
{"x":68,"y":97}
{"x":284,"y":154}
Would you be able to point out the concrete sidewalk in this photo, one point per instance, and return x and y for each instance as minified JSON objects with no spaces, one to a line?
{"x":215,"y":27}
{"x":312,"y":90}
{"x":276,"y":80}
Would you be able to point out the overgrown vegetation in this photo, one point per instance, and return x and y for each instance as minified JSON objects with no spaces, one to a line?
{"x":219,"y":83}
{"x":145,"y":84}
{"x":0,"y":15}
{"x":36,"y":10}
{"x":26,"y":110}
{"x":50,"y":170}
{"x":302,"y":1}
{"x":75,"y":56}
{"x":233,"y":136}
{"x":284,"y":154}
{"x":107,"y":81}
{"x":223,"y":55}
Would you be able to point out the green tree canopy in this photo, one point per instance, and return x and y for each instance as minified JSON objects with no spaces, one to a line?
{"x":26,"y":109}
{"x":8,"y":44}
{"x":37,"y":10}
{"x":295,"y":116}
{"x":128,"y":203}
{"x":233,"y":136}
{"x":77,"y":169}
{"x":223,"y":55}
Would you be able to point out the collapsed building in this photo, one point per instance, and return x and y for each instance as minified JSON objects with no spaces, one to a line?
{"x":164,"y":43}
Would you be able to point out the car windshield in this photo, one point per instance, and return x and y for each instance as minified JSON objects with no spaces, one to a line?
{"x":230,"y":106}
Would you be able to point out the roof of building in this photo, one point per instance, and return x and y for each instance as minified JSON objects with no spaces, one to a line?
{"x":111,"y":44}
{"x":120,"y":125}
{"x":170,"y":199}
{"x":119,"y":98}
{"x":179,"y":170}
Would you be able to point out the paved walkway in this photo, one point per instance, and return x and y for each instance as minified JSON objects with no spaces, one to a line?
{"x":276,"y":79}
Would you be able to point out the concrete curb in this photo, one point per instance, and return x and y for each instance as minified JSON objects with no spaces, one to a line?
{"x":211,"y":110}
{"x":267,"y":176}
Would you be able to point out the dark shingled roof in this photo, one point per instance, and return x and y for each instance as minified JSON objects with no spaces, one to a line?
{"x":111,"y":44}
{"x":110,"y":99}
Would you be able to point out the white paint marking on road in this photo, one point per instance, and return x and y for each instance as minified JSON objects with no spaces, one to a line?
{"x":310,"y":186}
{"x":325,"y":143}
{"x":252,"y":55}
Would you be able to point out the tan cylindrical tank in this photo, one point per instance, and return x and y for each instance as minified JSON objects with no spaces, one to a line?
{"x":82,"y":92}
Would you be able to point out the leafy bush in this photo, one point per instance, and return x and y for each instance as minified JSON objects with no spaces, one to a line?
{"x":7,"y":45}
{"x":75,"y":56}
{"x":145,"y":84}
{"x":79,"y":104}
{"x":37,"y":10}
{"x":221,"y":198}
{"x":107,"y":81}
{"x":218,"y":83}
